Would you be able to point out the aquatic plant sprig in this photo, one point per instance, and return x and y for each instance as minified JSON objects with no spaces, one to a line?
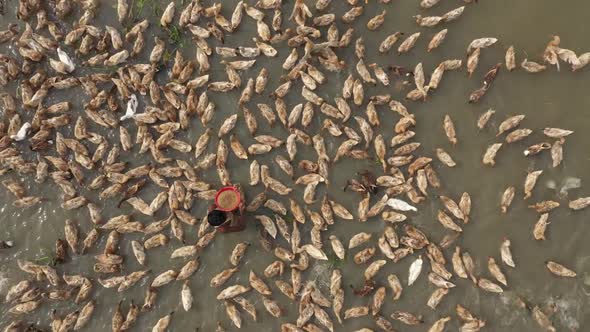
{"x":176,"y":38}
{"x":334,"y":262}
{"x":175,"y":35}
{"x":44,"y":258}
{"x":138,"y":6}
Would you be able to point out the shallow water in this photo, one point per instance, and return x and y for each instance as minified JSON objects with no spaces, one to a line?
{"x":557,"y":99}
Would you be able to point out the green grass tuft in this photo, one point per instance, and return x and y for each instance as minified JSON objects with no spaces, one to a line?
{"x":140,"y":5}
{"x":334,"y":261}
{"x":176,"y":37}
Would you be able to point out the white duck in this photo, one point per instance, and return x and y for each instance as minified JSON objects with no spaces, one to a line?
{"x":415,"y":270}
{"x":399,"y":205}
{"x":131,"y":108}
{"x":22,"y":132}
{"x":66,"y":60}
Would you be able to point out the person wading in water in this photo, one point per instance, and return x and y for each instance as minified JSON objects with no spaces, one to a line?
{"x":227,"y":221}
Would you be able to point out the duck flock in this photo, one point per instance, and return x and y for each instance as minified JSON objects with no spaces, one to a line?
{"x":152,"y":101}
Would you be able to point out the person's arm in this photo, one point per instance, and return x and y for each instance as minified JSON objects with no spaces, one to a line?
{"x":233,"y":229}
{"x":240,"y":225}
{"x":223,"y":229}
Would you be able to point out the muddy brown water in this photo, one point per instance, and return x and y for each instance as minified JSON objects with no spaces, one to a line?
{"x":559,"y":99}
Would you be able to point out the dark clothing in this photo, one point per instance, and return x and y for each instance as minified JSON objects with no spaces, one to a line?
{"x":235,"y":222}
